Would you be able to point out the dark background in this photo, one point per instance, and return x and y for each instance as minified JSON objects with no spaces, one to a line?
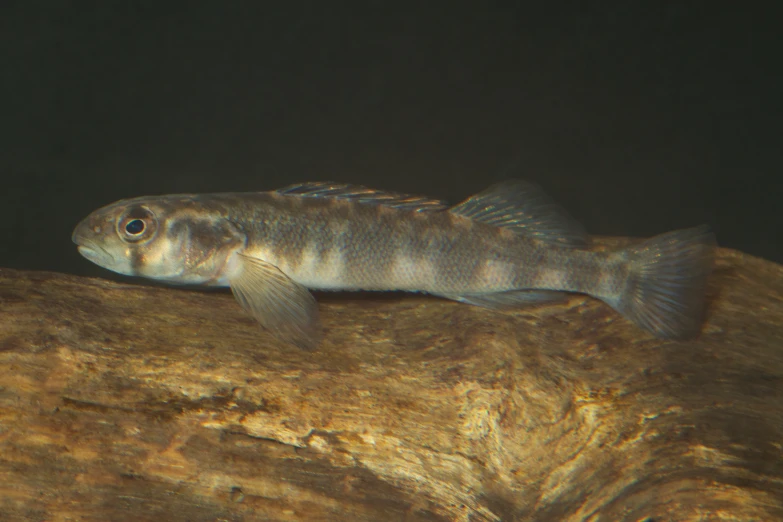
{"x":639,"y":117}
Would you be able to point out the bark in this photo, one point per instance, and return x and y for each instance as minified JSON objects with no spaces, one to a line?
{"x":130,"y":402}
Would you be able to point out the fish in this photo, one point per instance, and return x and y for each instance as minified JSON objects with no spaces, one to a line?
{"x":506,"y":247}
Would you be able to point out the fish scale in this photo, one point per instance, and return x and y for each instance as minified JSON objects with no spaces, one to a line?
{"x":506,"y":247}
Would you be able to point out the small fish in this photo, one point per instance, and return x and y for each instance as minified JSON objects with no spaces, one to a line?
{"x":506,"y":247}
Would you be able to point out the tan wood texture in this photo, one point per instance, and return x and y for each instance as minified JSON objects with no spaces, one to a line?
{"x":128,"y":402}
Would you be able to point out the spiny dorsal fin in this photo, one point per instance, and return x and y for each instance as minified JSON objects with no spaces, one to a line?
{"x":329,"y":189}
{"x":525,"y":208}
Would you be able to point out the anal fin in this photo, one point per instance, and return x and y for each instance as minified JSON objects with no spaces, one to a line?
{"x":510,"y":299}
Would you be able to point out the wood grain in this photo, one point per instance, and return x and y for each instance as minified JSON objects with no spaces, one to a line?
{"x":129,"y":402}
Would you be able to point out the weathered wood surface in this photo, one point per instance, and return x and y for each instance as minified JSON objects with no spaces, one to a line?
{"x":126,"y":402}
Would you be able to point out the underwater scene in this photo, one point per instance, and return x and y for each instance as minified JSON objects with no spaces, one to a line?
{"x":379,"y":261}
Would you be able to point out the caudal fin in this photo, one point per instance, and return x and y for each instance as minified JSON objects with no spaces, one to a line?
{"x":667,"y":274}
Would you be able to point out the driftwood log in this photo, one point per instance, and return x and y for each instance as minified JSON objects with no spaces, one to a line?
{"x":128,"y":402}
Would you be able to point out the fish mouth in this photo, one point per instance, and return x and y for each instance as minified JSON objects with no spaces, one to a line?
{"x":91,"y":250}
{"x":94,"y":253}
{"x":88,"y":247}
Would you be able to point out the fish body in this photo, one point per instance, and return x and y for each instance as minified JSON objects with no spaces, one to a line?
{"x":508,"y":246}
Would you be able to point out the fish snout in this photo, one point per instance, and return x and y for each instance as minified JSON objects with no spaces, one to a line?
{"x":91,"y":228}
{"x":78,"y":236}
{"x":88,"y":236}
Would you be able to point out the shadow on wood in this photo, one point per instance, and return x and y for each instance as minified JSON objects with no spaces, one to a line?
{"x":126,"y":402}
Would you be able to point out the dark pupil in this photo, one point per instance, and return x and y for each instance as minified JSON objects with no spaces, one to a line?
{"x":134,"y":227}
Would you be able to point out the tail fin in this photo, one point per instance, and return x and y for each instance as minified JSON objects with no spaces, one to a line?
{"x":666,"y":282}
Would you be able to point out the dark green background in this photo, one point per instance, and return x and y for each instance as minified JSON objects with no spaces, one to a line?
{"x":640,"y":117}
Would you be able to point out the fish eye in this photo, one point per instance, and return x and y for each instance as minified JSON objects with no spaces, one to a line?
{"x":137,"y":224}
{"x":134,"y":227}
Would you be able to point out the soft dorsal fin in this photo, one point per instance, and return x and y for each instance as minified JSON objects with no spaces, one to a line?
{"x":525,"y":208}
{"x":329,"y":189}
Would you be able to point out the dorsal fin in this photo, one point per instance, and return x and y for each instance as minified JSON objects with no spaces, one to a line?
{"x":358,"y":193}
{"x":525,"y":208}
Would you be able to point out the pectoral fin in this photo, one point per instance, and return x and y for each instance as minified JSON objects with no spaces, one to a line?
{"x":280,"y":304}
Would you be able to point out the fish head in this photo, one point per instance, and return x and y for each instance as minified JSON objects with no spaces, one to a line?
{"x":168,"y":238}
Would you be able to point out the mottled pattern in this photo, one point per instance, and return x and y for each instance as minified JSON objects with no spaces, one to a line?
{"x":328,"y":243}
{"x":336,"y":243}
{"x":510,"y":237}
